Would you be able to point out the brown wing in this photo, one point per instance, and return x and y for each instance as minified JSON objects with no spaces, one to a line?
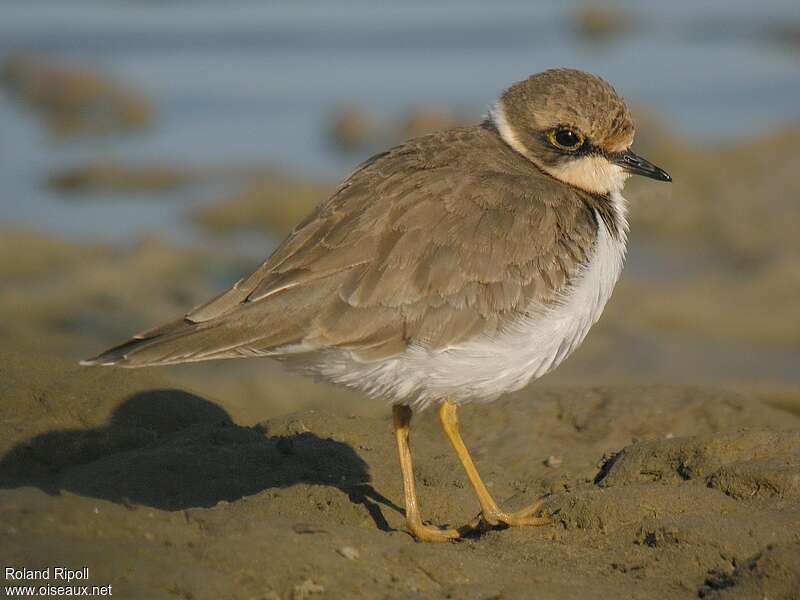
{"x":431,"y":243}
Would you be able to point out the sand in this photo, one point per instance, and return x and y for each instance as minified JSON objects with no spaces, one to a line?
{"x":654,"y":492}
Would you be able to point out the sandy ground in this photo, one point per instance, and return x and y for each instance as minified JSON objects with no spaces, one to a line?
{"x":671,"y":492}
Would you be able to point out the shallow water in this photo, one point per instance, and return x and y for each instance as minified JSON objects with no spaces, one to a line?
{"x":254,"y":82}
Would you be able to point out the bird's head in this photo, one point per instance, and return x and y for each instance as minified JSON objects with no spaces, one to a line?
{"x":573,"y":126}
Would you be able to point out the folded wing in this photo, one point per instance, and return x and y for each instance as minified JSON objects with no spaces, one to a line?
{"x":414,"y":248}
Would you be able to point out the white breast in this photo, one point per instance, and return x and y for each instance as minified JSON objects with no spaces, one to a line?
{"x":484,"y":368}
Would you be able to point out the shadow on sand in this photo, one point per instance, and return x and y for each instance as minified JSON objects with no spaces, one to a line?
{"x":173,"y":450}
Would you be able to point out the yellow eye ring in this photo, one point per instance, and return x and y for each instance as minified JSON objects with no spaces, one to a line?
{"x":565,"y":138}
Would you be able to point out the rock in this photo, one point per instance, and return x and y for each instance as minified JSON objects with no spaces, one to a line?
{"x":104,"y":177}
{"x":424,"y":120}
{"x":306,"y":589}
{"x":348,"y":552}
{"x":352,"y":128}
{"x":74,"y":100}
{"x":273,"y":203}
{"x":597,"y":23}
{"x":553,"y":462}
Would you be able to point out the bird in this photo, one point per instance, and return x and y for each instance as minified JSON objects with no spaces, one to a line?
{"x":453,"y":268}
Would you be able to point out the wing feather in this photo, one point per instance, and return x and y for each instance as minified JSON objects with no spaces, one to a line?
{"x":444,"y":238}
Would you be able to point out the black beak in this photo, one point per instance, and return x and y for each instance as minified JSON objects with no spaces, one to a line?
{"x":637,"y":165}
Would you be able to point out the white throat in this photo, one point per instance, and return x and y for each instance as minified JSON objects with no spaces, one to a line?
{"x":595,"y":174}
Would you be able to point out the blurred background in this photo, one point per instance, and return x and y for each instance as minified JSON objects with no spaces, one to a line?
{"x":152,"y":153}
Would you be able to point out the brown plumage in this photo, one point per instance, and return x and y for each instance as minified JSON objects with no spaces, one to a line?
{"x":437,"y":240}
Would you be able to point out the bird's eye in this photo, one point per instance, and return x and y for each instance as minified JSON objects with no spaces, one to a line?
{"x":565,"y":139}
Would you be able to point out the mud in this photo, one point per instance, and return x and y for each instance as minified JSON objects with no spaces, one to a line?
{"x":653,"y":491}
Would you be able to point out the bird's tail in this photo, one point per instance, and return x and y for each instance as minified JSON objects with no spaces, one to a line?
{"x":178,"y":341}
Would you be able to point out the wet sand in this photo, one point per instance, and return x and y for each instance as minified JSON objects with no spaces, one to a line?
{"x":654,"y":491}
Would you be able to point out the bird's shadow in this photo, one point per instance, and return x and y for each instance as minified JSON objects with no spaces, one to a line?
{"x":172,"y":450}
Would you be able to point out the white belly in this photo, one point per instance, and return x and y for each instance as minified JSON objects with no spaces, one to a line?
{"x":484,"y":368}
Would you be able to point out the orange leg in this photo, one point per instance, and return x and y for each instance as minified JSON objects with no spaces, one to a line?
{"x":426,"y":533}
{"x":491,"y":514}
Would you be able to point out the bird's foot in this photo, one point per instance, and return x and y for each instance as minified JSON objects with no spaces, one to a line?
{"x":527,"y":517}
{"x":430,"y":533}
